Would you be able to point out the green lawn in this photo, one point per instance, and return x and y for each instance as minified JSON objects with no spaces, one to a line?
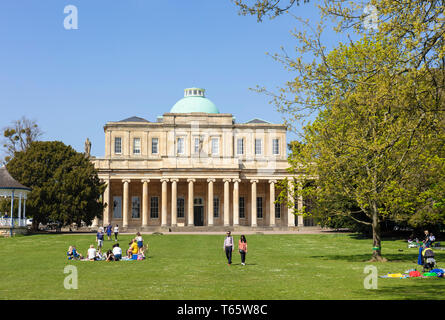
{"x":328,"y":266}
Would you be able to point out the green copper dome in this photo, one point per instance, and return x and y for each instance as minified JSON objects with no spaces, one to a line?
{"x":194,"y":101}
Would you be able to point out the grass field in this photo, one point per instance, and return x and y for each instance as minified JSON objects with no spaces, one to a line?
{"x":315,"y":266}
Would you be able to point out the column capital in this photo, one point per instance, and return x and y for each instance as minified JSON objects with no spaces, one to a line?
{"x":227,"y":180}
{"x":272,"y":181}
{"x":236,"y":180}
{"x":164,"y":179}
{"x":126,"y":180}
{"x":254,"y":181}
{"x":145,"y":180}
{"x":174,"y":180}
{"x":211,"y":180}
{"x":191,"y":180}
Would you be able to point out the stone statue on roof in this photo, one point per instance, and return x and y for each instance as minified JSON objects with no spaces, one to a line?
{"x":87,"y":148}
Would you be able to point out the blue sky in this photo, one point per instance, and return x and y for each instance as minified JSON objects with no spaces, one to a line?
{"x":134,"y":58}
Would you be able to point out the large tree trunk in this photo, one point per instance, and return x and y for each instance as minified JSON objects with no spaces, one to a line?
{"x":376,"y":240}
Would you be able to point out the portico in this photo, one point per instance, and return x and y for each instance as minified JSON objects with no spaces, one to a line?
{"x":176,"y":202}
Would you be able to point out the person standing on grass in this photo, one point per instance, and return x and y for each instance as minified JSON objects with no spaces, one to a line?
{"x":109,"y":227}
{"x":242,"y":247}
{"x":228,"y":247}
{"x":140,"y":241}
{"x":100,"y":239}
{"x":116,"y":232}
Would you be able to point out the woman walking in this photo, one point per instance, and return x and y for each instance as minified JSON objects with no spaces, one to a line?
{"x":242,"y":247}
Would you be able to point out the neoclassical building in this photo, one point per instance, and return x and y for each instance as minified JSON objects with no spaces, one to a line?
{"x":193,"y":169}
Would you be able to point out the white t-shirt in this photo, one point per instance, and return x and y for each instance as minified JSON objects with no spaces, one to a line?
{"x":91,"y":253}
{"x":117,"y":250}
{"x":116,"y":229}
{"x":139,"y":238}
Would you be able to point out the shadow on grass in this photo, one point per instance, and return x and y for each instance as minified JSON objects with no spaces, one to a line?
{"x":409,"y":258}
{"x":410,"y":289}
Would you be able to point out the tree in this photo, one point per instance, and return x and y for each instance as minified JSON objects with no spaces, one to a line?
{"x":271,"y":8}
{"x":379,"y":101}
{"x":19,"y":136}
{"x":65,"y":185}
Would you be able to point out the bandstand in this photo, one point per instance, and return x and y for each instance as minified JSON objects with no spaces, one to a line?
{"x":10,"y":188}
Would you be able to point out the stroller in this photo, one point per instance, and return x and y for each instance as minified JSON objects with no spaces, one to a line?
{"x":429,"y":263}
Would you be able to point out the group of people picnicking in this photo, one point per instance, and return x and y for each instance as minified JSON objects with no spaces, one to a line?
{"x":137,"y":249}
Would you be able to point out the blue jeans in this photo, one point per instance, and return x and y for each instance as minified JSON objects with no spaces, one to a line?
{"x":229,"y":254}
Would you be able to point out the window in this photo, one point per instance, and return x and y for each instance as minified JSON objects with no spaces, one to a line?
{"x":216,"y":207}
{"x":240,"y":146}
{"x":117,"y":207}
{"x":277,"y":210}
{"x":154,"y":145}
{"x":197,"y":145}
{"x":275,"y":146}
{"x":215,"y":146}
{"x":137,"y":146}
{"x":259,"y":207}
{"x":180,"y":145}
{"x":258,"y":146}
{"x":180,"y":207}
{"x":154,"y":207}
{"x":242,"y":213}
{"x":118,"y":145}
{"x":135,"y":207}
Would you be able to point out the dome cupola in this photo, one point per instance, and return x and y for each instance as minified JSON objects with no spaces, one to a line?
{"x":194,"y":101}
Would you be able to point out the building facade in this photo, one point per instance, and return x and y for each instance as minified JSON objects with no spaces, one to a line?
{"x":194,"y":167}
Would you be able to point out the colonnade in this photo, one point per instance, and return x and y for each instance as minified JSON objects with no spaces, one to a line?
{"x":229,"y":200}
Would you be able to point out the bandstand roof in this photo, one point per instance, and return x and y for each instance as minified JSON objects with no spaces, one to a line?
{"x":10,"y":186}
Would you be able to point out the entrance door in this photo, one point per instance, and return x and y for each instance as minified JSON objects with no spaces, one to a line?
{"x":117,"y":207}
{"x":198,"y":212}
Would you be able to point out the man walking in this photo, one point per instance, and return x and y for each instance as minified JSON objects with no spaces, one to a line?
{"x":228,"y":247}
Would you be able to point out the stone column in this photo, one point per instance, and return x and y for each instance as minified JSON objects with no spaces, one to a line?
{"x":190,"y":208}
{"x":272,"y":202}
{"x":125,"y":203}
{"x":226,"y":202}
{"x":291,"y":210}
{"x":174,"y":202}
{"x":210,"y":202}
{"x":106,"y":201}
{"x":20,"y":210}
{"x":300,"y":207}
{"x":164,"y":203}
{"x":236,"y":202}
{"x":253,"y":203}
{"x":145,"y":202}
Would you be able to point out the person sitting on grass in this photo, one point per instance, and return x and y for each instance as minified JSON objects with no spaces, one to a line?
{"x":133,"y":249}
{"x":70,"y":253}
{"x":117,"y":252}
{"x":110,"y":256}
{"x":92,"y":253}
{"x":77,"y":255}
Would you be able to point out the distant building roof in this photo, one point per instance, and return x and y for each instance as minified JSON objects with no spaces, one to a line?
{"x":256,"y":120}
{"x":8,"y":182}
{"x":134,"y":119}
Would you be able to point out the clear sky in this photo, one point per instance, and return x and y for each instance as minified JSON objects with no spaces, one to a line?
{"x":134,"y":58}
